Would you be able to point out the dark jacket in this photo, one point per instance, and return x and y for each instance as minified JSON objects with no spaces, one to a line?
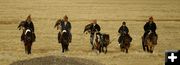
{"x":150,"y":27}
{"x":95,"y":28}
{"x":66,"y":27}
{"x":123,"y":30}
{"x":29,"y":25}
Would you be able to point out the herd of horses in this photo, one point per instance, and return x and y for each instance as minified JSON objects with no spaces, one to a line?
{"x":100,"y":40}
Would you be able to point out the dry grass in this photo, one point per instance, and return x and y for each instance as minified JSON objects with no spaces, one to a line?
{"x":109,"y":13}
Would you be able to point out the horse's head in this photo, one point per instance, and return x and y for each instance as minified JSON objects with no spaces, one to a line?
{"x":128,"y":38}
{"x":28,"y":35}
{"x":65,"y":35}
{"x":87,"y":28}
{"x":98,"y":38}
{"x":21,"y":25}
{"x":153,"y":37}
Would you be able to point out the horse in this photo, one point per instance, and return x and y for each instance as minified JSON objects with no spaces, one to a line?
{"x":102,"y":41}
{"x":149,"y":42}
{"x":27,"y":36}
{"x":87,"y":29}
{"x":63,"y":37}
{"x":125,"y":43}
{"x":64,"y":40}
{"x":28,"y":40}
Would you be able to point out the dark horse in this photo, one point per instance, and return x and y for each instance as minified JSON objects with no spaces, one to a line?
{"x":28,"y":40}
{"x":63,"y":37}
{"x":100,"y":40}
{"x":125,"y":43}
{"x":149,"y":42}
{"x":64,"y":40}
{"x":28,"y":37}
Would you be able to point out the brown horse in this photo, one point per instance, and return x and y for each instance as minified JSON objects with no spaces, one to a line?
{"x":149,"y":42}
{"x":102,"y":41}
{"x":125,"y":44}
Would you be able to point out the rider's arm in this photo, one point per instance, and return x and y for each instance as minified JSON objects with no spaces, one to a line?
{"x":146,"y":27}
{"x":120,"y":29}
{"x":127,"y":30}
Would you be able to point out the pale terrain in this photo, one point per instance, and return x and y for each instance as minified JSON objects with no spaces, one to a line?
{"x":109,"y":13}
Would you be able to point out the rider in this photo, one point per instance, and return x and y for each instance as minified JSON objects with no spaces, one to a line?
{"x":123,"y":30}
{"x":28,"y":24}
{"x":149,"y":26}
{"x":65,"y":26}
{"x":94,"y":28}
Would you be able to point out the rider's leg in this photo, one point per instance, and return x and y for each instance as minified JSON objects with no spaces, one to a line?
{"x":121,"y":39}
{"x":70,"y":38}
{"x":22,"y":36}
{"x":91,"y":40}
{"x":59,"y":37}
{"x":34,"y":36}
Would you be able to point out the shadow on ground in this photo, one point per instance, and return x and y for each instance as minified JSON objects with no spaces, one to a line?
{"x":56,"y":60}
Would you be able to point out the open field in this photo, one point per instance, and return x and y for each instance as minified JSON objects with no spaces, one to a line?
{"x":109,"y":13}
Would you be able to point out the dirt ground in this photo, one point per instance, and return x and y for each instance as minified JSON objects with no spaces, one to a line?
{"x":109,"y":13}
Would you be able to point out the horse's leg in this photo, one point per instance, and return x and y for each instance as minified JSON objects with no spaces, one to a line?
{"x":106,"y":49}
{"x":148,"y":48}
{"x":100,"y":48}
{"x":121,"y":47}
{"x":25,"y":48}
{"x":127,"y":47}
{"x":126,"y":50}
{"x":151,"y":49}
{"x":66,"y":47}
{"x":103,"y":49}
{"x":62,"y":47}
{"x":29,"y":48}
{"x":143,"y":45}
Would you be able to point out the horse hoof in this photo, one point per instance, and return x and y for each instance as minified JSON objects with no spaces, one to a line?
{"x":151,"y":51}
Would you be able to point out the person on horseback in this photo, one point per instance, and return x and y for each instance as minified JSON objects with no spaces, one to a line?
{"x":94,"y":28}
{"x":65,"y":26}
{"x":28,"y":24}
{"x":150,"y":26}
{"x":123,"y":30}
